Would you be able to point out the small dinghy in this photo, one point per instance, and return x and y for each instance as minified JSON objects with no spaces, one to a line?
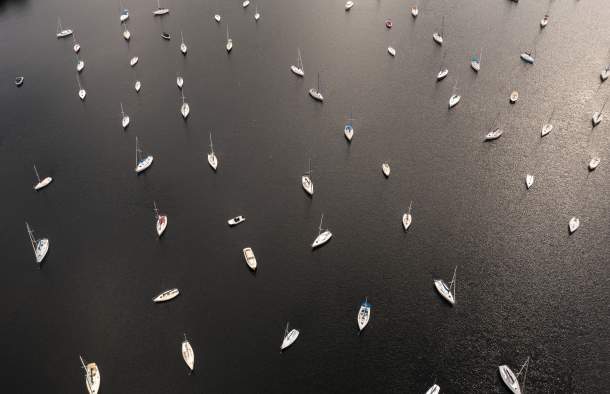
{"x":236,"y":220}
{"x":573,"y":224}
{"x":388,"y":23}
{"x":166,"y":295}
{"x":511,"y":380}
{"x":349,"y":5}
{"x":187,"y":353}
{"x":124,"y":118}
{"x":323,"y":236}
{"x":92,"y":376}
{"x":529,"y":181}
{"x":142,"y":162}
{"x":166,"y":36}
{"x":250,"y":259}
{"x":392,"y":51}
{"x":527,"y":57}
{"x":385,"y":168}
{"x":316,"y":93}
{"x":544,"y":21}
{"x":41,"y":182}
{"x":605,"y":73}
{"x":19,"y":81}
{"x":134,"y":61}
{"x":407,"y":218}
{"x":414,"y":11}
{"x":137,"y":86}
{"x":364,"y":314}
{"x":179,"y":81}
{"x":307,"y":182}
{"x":298,"y":69}
{"x":514,"y":96}
{"x":160,"y":11}
{"x":40,"y":246}
{"x":289,"y":337}
{"x":212,"y":159}
{"x":593,"y":163}
{"x":447,"y":292}
{"x":435,"y":389}
{"x":161,"y":219}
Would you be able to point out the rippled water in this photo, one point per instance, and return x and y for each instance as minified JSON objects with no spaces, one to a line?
{"x":524,"y":286}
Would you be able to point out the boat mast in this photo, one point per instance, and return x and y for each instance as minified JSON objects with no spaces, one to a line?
{"x":211,"y":145}
{"x":122,"y":112}
{"x":36,"y":171}
{"x":318,"y":82}
{"x":59,"y":29}
{"x":453,"y":284}
{"x":410,"y":207}
{"x":443,"y":26}
{"x":156,"y":210}
{"x":158,"y":5}
{"x":320,"y":227}
{"x":32,"y":239}
{"x":525,"y":365}
{"x":181,"y":38}
{"x":227,"y":32}
{"x":137,"y":150}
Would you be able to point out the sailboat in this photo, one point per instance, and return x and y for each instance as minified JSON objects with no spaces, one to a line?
{"x":528,"y":57}
{"x":475,"y":61}
{"x":134,"y":61}
{"x":511,"y":380}
{"x":438,"y":37}
{"x":435,"y":389}
{"x":447,"y":292}
{"x":323,"y":236}
{"x":92,"y":376}
{"x":40,"y":246}
{"x":41,"y":183}
{"x":307,"y":182}
{"x":250,"y":258}
{"x":161,"y":220}
{"x":137,"y":86}
{"x":236,"y":220}
{"x":605,"y":73}
{"x":257,"y":15}
{"x":392,"y":51}
{"x":407,"y":218}
{"x":82,"y":93}
{"x":212,"y":159}
{"x":385,"y":168}
{"x":547,"y":127}
{"x":414,"y":11}
{"x":455,"y":98}
{"x":183,"y":47}
{"x":245,"y":3}
{"x":142,"y":163}
{"x":593,"y":163}
{"x":187,"y":353}
{"x":217,"y":17}
{"x":80,"y":64}
{"x":315,"y":93}
{"x":61,"y":32}
{"x":597,"y":116}
{"x":289,"y":337}
{"x":514,"y":96}
{"x":179,"y":81}
{"x":160,"y":11}
{"x":124,"y":119}
{"x":442,"y":72}
{"x":126,"y":33}
{"x":19,"y":81}
{"x":544,"y":21}
{"x":185,"y":109}
{"x":349,"y":5}
{"x":573,"y":224}
{"x":298,"y":69}
{"x":348,"y":130}
{"x":124,"y":15}
{"x":494,"y":132}
{"x":76,"y":46}
{"x":364,"y":314}
{"x":529,"y":180}
{"x":229,"y":45}
{"x":166,"y":295}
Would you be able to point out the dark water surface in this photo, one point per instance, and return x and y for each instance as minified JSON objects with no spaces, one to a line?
{"x":525,"y":287}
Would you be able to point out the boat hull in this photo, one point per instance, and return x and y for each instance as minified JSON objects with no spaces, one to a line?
{"x":250,"y":258}
{"x":509,"y":379}
{"x":297,"y":71}
{"x":188,"y":355}
{"x":144,"y":164}
{"x":321,"y":239}
{"x":307,"y":184}
{"x":166,"y":295}
{"x":161,"y":224}
{"x":213,"y":161}
{"x":45,"y":182}
{"x":290,"y":339}
{"x":443,"y":290}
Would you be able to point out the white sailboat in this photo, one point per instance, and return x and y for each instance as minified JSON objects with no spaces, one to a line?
{"x":185,"y":109}
{"x":414,"y":11}
{"x":142,"y":162}
{"x":92,"y":376}
{"x":160,"y":11}
{"x":475,"y":61}
{"x":183,"y":47}
{"x":548,"y":126}
{"x":298,"y":69}
{"x":315,"y":93}
{"x":514,"y":96}
{"x":161,"y":220}
{"x":80,"y":64}
{"x":229,"y":45}
{"x":76,"y":46}
{"x":528,"y":57}
{"x":407,"y":218}
{"x":236,"y":220}
{"x":435,"y":389}
{"x":245,"y":3}
{"x":40,"y":246}
{"x":61,"y":32}
{"x":323,"y":236}
{"x":307,"y":182}
{"x":511,"y":380}
{"x":529,"y":180}
{"x":257,"y":15}
{"x":349,"y":5}
{"x":593,"y":163}
{"x":442,"y":71}
{"x":124,"y":119}
{"x":447,"y":292}
{"x":179,"y":81}
{"x":348,"y":130}
{"x":126,"y":33}
{"x":494,"y":132}
{"x":392,"y":51}
{"x":82,"y":93}
{"x":166,"y":295}
{"x":134,"y":61}
{"x":289,"y":337}
{"x":597,"y":116}
{"x":455,"y":98}
{"x":250,"y":258}
{"x":217,"y":18}
{"x":438,"y":37}
{"x":573,"y":224}
{"x":385,"y":168}
{"x":605,"y":73}
{"x":212,"y":159}
{"x":124,"y":15}
{"x":41,"y":183}
{"x":544,"y":21}
{"x":137,"y":86}
{"x":364,"y":314}
{"x":187,"y":353}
